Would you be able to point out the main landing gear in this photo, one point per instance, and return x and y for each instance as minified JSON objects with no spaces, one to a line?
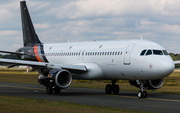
{"x":50,"y":90}
{"x":112,"y":88}
{"x":141,"y":93}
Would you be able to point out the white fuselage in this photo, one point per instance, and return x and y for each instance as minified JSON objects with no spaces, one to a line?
{"x":112,"y":59}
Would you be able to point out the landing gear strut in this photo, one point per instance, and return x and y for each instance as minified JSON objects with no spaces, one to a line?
{"x":141,"y":93}
{"x":56,"y":89}
{"x":112,"y":88}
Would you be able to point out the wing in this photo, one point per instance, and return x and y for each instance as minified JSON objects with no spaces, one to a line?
{"x":177,"y":62}
{"x":80,"y":68}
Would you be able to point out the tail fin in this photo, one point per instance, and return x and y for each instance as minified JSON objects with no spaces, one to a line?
{"x":29,"y":35}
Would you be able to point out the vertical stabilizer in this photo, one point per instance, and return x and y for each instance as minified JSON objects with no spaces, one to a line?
{"x":29,"y":35}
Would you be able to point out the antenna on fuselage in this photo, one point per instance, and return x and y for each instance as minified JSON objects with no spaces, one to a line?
{"x":141,"y":37}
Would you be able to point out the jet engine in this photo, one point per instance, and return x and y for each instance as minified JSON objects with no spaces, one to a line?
{"x":149,"y":84}
{"x":59,"y":77}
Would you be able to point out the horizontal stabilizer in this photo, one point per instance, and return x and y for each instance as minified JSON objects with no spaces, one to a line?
{"x":12,"y":52}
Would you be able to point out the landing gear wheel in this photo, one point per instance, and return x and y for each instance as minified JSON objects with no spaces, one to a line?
{"x":108,"y":89}
{"x":116,"y":89}
{"x":49,"y":90}
{"x":57,"y":90}
{"x":144,"y":94}
{"x":140,"y":94}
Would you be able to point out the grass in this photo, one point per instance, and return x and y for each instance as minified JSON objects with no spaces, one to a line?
{"x":25,"y":105}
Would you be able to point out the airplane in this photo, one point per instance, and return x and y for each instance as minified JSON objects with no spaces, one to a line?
{"x":144,"y":63}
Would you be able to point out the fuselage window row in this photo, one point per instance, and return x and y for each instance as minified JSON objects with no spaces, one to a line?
{"x":83,"y":54}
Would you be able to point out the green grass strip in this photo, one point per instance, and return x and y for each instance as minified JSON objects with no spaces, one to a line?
{"x":10,"y":104}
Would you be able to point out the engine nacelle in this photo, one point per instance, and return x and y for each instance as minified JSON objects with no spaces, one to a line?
{"x":149,"y":84}
{"x":63,"y":79}
{"x":59,"y":77}
{"x":155,"y":84}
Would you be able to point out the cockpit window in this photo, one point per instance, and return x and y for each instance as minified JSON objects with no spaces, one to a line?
{"x":157,"y":52}
{"x":143,"y":52}
{"x":149,"y":52}
{"x":165,"y":52}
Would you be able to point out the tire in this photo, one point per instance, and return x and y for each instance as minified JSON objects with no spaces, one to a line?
{"x":57,"y":90}
{"x":108,"y":89}
{"x":116,"y":89}
{"x":140,"y":94}
{"x":49,"y":90}
{"x":144,"y":94}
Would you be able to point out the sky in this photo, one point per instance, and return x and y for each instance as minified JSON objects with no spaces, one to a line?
{"x":57,"y":21}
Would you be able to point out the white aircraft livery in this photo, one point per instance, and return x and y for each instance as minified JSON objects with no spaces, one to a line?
{"x":143,"y":63}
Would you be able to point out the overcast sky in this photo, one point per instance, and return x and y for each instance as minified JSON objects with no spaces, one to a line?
{"x":88,"y":20}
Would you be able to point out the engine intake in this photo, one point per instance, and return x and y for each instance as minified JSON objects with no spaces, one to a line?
{"x":63,"y":79}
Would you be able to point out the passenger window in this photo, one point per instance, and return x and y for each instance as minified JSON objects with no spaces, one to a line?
{"x":165,"y":52}
{"x":143,"y":52}
{"x":149,"y":52}
{"x":157,"y":52}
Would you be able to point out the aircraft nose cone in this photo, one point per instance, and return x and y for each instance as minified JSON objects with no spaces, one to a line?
{"x":166,"y":66}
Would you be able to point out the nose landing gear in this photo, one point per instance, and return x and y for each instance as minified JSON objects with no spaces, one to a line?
{"x":112,"y":88}
{"x":141,"y":93}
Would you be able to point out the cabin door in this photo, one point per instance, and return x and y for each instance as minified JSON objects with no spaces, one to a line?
{"x":127,"y":55}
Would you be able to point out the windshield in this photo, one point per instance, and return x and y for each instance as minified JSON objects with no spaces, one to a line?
{"x":149,"y":52}
{"x":153,"y":52}
{"x":165,"y":52}
{"x":143,"y":52}
{"x":157,"y":52}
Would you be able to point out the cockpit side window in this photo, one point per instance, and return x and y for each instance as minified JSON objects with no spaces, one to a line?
{"x":149,"y":52}
{"x":143,"y":52}
{"x":165,"y":52}
{"x":157,"y":52}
